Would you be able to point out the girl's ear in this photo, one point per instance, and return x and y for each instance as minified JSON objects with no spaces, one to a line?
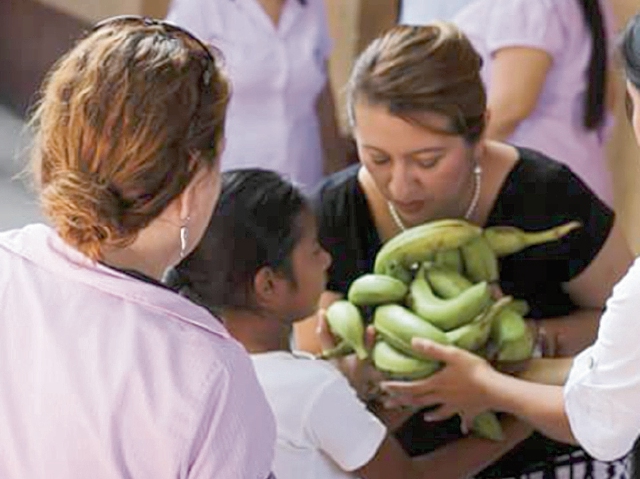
{"x":267,"y":287}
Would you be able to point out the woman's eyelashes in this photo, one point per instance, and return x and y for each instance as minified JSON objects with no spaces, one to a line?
{"x":429,"y":162}
{"x":379,"y":159}
{"x":421,"y":161}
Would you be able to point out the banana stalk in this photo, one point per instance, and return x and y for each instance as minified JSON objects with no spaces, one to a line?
{"x":341,"y":349}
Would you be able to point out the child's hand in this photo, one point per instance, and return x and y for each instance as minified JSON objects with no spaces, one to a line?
{"x":361,"y":374}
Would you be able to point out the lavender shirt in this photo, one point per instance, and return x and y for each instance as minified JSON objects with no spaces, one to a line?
{"x":556,"y":125}
{"x":277,"y":74}
{"x":105,"y":376}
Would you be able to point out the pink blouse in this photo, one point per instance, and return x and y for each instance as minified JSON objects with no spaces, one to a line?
{"x":106,"y":376}
{"x":556,"y":27}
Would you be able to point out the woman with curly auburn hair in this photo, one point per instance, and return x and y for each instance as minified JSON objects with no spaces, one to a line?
{"x":105,"y":372}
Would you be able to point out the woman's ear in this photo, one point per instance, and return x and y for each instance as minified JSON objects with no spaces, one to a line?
{"x":186,"y":203}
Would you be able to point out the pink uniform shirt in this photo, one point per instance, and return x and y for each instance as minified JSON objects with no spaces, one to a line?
{"x":106,"y":376}
{"x":557,"y":27}
{"x":276,"y":76}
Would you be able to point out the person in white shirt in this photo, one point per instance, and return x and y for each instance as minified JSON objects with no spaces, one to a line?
{"x":271,"y":275}
{"x":281,"y":115}
{"x":591,"y":399}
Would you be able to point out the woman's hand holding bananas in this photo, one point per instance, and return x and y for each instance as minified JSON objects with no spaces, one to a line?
{"x":459,"y":387}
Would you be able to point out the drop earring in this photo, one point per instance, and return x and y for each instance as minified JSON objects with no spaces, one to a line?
{"x":184,"y":237}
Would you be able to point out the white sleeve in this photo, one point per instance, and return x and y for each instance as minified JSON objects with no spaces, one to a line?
{"x":602,"y":392}
{"x":340,"y":425}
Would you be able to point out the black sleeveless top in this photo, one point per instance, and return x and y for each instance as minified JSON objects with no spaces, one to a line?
{"x":537,"y":194}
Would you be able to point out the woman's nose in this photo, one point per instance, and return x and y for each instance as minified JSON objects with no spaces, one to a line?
{"x":399,"y":182}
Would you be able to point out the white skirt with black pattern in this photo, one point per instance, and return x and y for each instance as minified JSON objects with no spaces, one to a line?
{"x":578,"y":465}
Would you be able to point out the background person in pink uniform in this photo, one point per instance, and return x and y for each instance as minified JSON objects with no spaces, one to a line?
{"x":281,"y":114}
{"x":545,"y":65}
{"x":419,"y":12}
{"x":105,"y":372}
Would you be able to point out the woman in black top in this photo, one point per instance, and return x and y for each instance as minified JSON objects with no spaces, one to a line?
{"x":418,"y":110}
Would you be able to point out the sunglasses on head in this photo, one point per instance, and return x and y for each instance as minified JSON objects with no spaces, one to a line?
{"x":213,"y":56}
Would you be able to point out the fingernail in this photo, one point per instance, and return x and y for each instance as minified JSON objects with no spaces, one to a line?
{"x":428,"y":417}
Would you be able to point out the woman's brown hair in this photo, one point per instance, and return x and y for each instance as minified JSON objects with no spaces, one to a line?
{"x":125,"y":120}
{"x":413,"y":70}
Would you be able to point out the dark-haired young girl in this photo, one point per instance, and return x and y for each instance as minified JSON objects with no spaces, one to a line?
{"x":261,"y":269}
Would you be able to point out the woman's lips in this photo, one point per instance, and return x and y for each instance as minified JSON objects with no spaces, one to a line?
{"x":408,"y":208}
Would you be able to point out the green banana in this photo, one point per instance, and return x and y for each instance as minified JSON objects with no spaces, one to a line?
{"x":475,"y":334}
{"x":445,"y":282}
{"x":506,"y":240}
{"x":520,"y":306}
{"x":447,"y":314}
{"x":397,"y":326}
{"x":480,"y":262}
{"x":449,"y":259}
{"x":518,"y":349}
{"x":508,"y":326}
{"x":341,"y":349}
{"x":397,"y":365}
{"x":399,"y":272}
{"x":345,"y":321}
{"x":373,"y":289}
{"x":419,"y":243}
{"x":487,"y":425}
{"x":449,"y":284}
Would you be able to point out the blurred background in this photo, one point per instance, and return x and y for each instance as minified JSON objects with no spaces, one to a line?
{"x":33,"y":33}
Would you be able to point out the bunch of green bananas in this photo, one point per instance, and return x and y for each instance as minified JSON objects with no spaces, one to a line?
{"x":433,"y":281}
